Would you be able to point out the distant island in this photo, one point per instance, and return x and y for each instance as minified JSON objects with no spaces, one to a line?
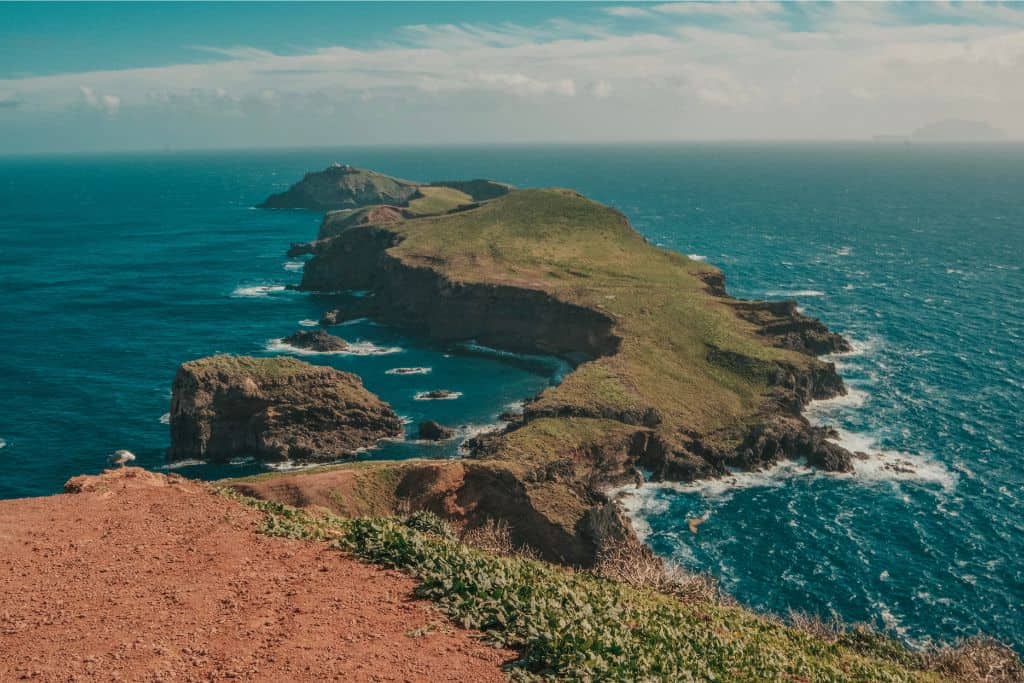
{"x":949,"y":130}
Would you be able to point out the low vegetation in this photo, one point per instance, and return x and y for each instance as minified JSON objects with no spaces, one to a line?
{"x":585,"y":626}
{"x":433,"y":200}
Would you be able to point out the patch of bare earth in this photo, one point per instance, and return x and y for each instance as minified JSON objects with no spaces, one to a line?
{"x":143,"y":577}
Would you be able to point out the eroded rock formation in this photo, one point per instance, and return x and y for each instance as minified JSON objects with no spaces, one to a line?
{"x":273,"y":409}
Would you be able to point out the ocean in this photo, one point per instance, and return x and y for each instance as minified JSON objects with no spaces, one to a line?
{"x":116,"y":269}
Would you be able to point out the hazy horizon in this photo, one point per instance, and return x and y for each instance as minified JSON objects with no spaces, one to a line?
{"x":99,"y":77}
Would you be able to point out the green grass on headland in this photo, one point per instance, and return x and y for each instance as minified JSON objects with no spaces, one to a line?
{"x":577,"y":626}
{"x":438,"y":200}
{"x":585,"y":253}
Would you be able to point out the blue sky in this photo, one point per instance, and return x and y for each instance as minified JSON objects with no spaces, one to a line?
{"x":97,"y":76}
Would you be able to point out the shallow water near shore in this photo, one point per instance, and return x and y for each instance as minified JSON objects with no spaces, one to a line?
{"x":118,"y":268}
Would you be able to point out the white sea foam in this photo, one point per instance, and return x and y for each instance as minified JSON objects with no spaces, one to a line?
{"x":165,"y":419}
{"x":854,"y":398}
{"x":178,"y":464}
{"x":408,"y":371}
{"x":423,"y":396}
{"x":257,"y":291}
{"x":406,"y":420}
{"x":721,"y":488}
{"x":363,"y":348}
{"x":294,"y":266}
{"x":697,"y":257}
{"x":290,"y":466}
{"x":470,"y":431}
{"x":3,"y":444}
{"x":516,"y":407}
{"x":794,"y":292}
{"x":308,"y":322}
{"x":844,"y":251}
{"x":887,"y":465}
{"x":560,"y":367}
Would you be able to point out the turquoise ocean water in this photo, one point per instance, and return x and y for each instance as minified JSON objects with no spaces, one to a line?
{"x":115,"y":269}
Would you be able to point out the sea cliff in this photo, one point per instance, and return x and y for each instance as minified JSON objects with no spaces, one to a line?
{"x":274,"y":409}
{"x":671,"y":375}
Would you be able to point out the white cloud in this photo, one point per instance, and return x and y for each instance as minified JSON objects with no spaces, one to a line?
{"x":627,"y":11}
{"x":846,"y":71}
{"x":601,"y":89}
{"x":518,"y":84}
{"x":108,"y":104}
{"x":724,"y":9}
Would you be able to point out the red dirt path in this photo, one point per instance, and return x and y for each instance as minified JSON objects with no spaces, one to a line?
{"x":142,"y":577}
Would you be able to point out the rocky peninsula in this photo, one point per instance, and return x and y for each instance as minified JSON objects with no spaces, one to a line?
{"x":274,"y":409}
{"x":671,"y":374}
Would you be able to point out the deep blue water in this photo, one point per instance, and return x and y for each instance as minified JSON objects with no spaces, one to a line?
{"x":116,"y":269}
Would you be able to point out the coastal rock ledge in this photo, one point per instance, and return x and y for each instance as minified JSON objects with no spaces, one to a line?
{"x":274,"y":409}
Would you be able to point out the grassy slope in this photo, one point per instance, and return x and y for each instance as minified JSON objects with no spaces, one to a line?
{"x":276,"y":367}
{"x":585,"y":253}
{"x":577,"y":626}
{"x":438,"y":200}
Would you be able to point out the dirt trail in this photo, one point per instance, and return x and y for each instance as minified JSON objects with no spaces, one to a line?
{"x":142,"y":577}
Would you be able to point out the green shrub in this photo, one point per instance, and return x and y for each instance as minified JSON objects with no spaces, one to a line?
{"x":577,"y":626}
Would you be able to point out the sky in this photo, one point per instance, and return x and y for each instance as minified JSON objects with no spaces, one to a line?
{"x":110,"y":77}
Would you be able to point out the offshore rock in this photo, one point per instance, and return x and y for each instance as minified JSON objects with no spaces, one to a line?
{"x":316,"y":340}
{"x":273,"y":409}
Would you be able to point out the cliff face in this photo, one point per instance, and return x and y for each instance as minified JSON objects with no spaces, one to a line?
{"x":672,"y":374}
{"x":274,"y":409}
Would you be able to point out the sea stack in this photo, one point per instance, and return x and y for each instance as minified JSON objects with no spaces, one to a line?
{"x":316,"y":340}
{"x":274,"y":409}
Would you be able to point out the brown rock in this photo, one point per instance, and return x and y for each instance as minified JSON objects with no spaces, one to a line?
{"x":274,"y":409}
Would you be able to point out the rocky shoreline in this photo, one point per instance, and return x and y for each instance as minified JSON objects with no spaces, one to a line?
{"x":548,"y":472}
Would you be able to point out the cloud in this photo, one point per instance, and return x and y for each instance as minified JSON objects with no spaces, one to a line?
{"x":627,"y":11}
{"x":702,"y":70}
{"x":521,"y":85}
{"x":724,"y":9}
{"x":109,"y":104}
{"x":601,"y":89}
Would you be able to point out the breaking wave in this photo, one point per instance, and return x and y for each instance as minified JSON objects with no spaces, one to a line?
{"x":257,"y":291}
{"x":408,"y":371}
{"x":794,"y":292}
{"x":363,"y":348}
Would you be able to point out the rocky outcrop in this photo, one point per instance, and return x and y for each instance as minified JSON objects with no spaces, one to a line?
{"x":788,"y":328}
{"x":337,"y":222}
{"x":273,"y":409}
{"x":315,"y":340}
{"x":429,"y":430}
{"x":341,"y":186}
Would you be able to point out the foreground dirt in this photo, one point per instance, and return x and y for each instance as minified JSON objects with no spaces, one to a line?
{"x":141,"y":577}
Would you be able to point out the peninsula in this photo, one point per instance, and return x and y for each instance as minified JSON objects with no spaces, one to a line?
{"x":671,"y":375}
